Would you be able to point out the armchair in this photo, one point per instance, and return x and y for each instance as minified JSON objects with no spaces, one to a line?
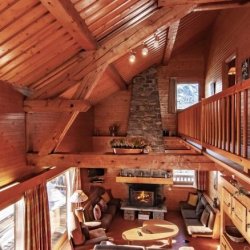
{"x":82,"y":238}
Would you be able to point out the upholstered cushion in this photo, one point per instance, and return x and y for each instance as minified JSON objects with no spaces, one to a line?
{"x":204,"y":217}
{"x":77,"y":237}
{"x":106,"y":197}
{"x":211,"y":219}
{"x":103,"y":205}
{"x":192,"y":199}
{"x":97,"y":212}
{"x":189,"y":214}
{"x":199,"y":208}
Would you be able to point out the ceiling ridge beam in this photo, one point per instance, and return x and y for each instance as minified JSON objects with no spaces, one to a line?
{"x":167,"y":3}
{"x":220,"y":6}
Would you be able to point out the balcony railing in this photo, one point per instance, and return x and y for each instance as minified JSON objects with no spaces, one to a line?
{"x":221,"y":123}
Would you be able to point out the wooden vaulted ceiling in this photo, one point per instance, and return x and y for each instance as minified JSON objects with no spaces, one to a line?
{"x":58,"y":48}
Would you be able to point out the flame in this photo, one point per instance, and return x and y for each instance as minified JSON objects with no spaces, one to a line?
{"x":143,"y":197}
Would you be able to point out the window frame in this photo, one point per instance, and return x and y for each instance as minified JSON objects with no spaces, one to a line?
{"x":185,"y":81}
{"x":194,"y":185}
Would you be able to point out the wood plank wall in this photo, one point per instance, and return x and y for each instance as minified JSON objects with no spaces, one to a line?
{"x":230,"y":35}
{"x":12,"y":131}
{"x":78,"y":138}
{"x":186,"y":66}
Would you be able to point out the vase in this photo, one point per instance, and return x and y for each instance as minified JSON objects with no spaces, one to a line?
{"x":124,"y":151}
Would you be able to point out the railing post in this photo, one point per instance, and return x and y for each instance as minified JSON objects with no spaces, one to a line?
{"x":202,"y":124}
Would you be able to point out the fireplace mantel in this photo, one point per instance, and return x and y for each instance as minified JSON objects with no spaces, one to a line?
{"x":145,"y":180}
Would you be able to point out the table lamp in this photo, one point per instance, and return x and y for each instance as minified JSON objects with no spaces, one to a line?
{"x":78,"y":197}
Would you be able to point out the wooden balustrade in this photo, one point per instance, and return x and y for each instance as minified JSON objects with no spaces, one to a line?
{"x":221,"y":123}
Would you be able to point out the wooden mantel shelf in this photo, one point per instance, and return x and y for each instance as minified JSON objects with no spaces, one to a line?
{"x":151,"y":161}
{"x":145,"y":180}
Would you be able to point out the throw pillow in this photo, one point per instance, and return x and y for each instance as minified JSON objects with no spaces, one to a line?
{"x":199,"y":208}
{"x":97,"y":212}
{"x":211,"y":220}
{"x":103,"y":205}
{"x":204,"y":217}
{"x":192,"y":199}
{"x":106,"y":197}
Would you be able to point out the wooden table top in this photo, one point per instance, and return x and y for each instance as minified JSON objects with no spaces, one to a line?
{"x":151,"y":230}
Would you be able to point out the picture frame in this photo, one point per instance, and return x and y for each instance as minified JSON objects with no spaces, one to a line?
{"x":245,"y":69}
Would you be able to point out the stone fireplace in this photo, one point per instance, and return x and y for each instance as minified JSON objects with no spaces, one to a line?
{"x":145,"y":195}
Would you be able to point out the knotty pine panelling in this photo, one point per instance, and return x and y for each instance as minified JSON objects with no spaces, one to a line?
{"x":12,"y":132}
{"x":114,"y":109}
{"x":79,"y":136}
{"x":230,"y":35}
{"x":187,"y":66}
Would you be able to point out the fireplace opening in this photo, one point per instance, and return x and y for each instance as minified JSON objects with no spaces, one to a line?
{"x":144,"y":195}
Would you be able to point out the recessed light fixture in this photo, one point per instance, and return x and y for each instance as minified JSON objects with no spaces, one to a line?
{"x":144,"y":50}
{"x":132,"y":57}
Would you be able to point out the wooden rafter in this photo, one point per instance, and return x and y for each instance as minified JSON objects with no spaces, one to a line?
{"x":171,"y":38}
{"x":84,"y":91}
{"x":113,"y":73}
{"x":56,"y":105}
{"x":167,"y":3}
{"x":220,"y":6}
{"x":154,"y":161}
{"x":67,"y":15}
{"x":120,"y":45}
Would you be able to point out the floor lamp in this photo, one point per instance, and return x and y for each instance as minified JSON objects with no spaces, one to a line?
{"x":78,"y":197}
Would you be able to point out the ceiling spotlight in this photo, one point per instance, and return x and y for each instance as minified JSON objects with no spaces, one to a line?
{"x":144,"y":50}
{"x":132,"y":57}
{"x":156,"y":41}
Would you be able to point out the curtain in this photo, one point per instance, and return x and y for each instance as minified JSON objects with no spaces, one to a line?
{"x":172,"y":96}
{"x":37,"y":219}
{"x":201,"y":180}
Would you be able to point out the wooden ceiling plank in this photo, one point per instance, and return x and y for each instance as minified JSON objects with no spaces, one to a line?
{"x":67,"y":15}
{"x":6,"y":4}
{"x":28,"y":49}
{"x":171,"y":38}
{"x":114,"y":74}
{"x":56,"y":105}
{"x":49,"y":66}
{"x":125,"y":19}
{"x":26,"y":34}
{"x":167,"y":3}
{"x":15,"y":11}
{"x":152,"y":161}
{"x":220,"y":6}
{"x":38,"y":59}
{"x":21,"y":23}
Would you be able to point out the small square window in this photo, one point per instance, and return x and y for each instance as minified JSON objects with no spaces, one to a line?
{"x":187,"y":94}
{"x":184,"y":178}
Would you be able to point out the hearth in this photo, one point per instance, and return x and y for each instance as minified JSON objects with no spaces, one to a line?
{"x":144,"y":195}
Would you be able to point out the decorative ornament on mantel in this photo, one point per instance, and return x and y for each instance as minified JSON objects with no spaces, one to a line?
{"x":133,"y":145}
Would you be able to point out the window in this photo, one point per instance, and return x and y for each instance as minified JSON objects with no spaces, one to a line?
{"x":12,"y":227}
{"x":187,"y":94}
{"x":184,"y":177}
{"x":57,"y":194}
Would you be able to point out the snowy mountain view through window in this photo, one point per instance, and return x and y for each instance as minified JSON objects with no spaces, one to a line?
{"x":187,"y":94}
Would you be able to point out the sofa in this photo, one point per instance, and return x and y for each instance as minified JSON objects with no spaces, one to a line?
{"x":97,"y":197}
{"x":200,"y":218}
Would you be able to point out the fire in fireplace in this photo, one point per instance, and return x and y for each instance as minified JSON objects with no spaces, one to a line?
{"x":143,"y":195}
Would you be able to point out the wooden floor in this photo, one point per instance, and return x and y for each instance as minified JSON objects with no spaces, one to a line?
{"x":182,"y":239}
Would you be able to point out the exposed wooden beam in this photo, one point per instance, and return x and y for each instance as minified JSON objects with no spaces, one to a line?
{"x":171,"y":38}
{"x":114,"y":74}
{"x":56,"y":105}
{"x":153,"y":161}
{"x":220,"y":6}
{"x":167,"y":3}
{"x":84,"y":91}
{"x":120,"y":45}
{"x":67,"y":15}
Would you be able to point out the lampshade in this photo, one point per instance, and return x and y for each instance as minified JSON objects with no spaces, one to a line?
{"x":232,"y":71}
{"x":144,"y":50}
{"x":156,"y":41}
{"x":78,"y":197}
{"x":132,"y":57}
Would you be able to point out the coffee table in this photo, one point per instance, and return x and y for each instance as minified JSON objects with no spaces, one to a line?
{"x":152,"y":230}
